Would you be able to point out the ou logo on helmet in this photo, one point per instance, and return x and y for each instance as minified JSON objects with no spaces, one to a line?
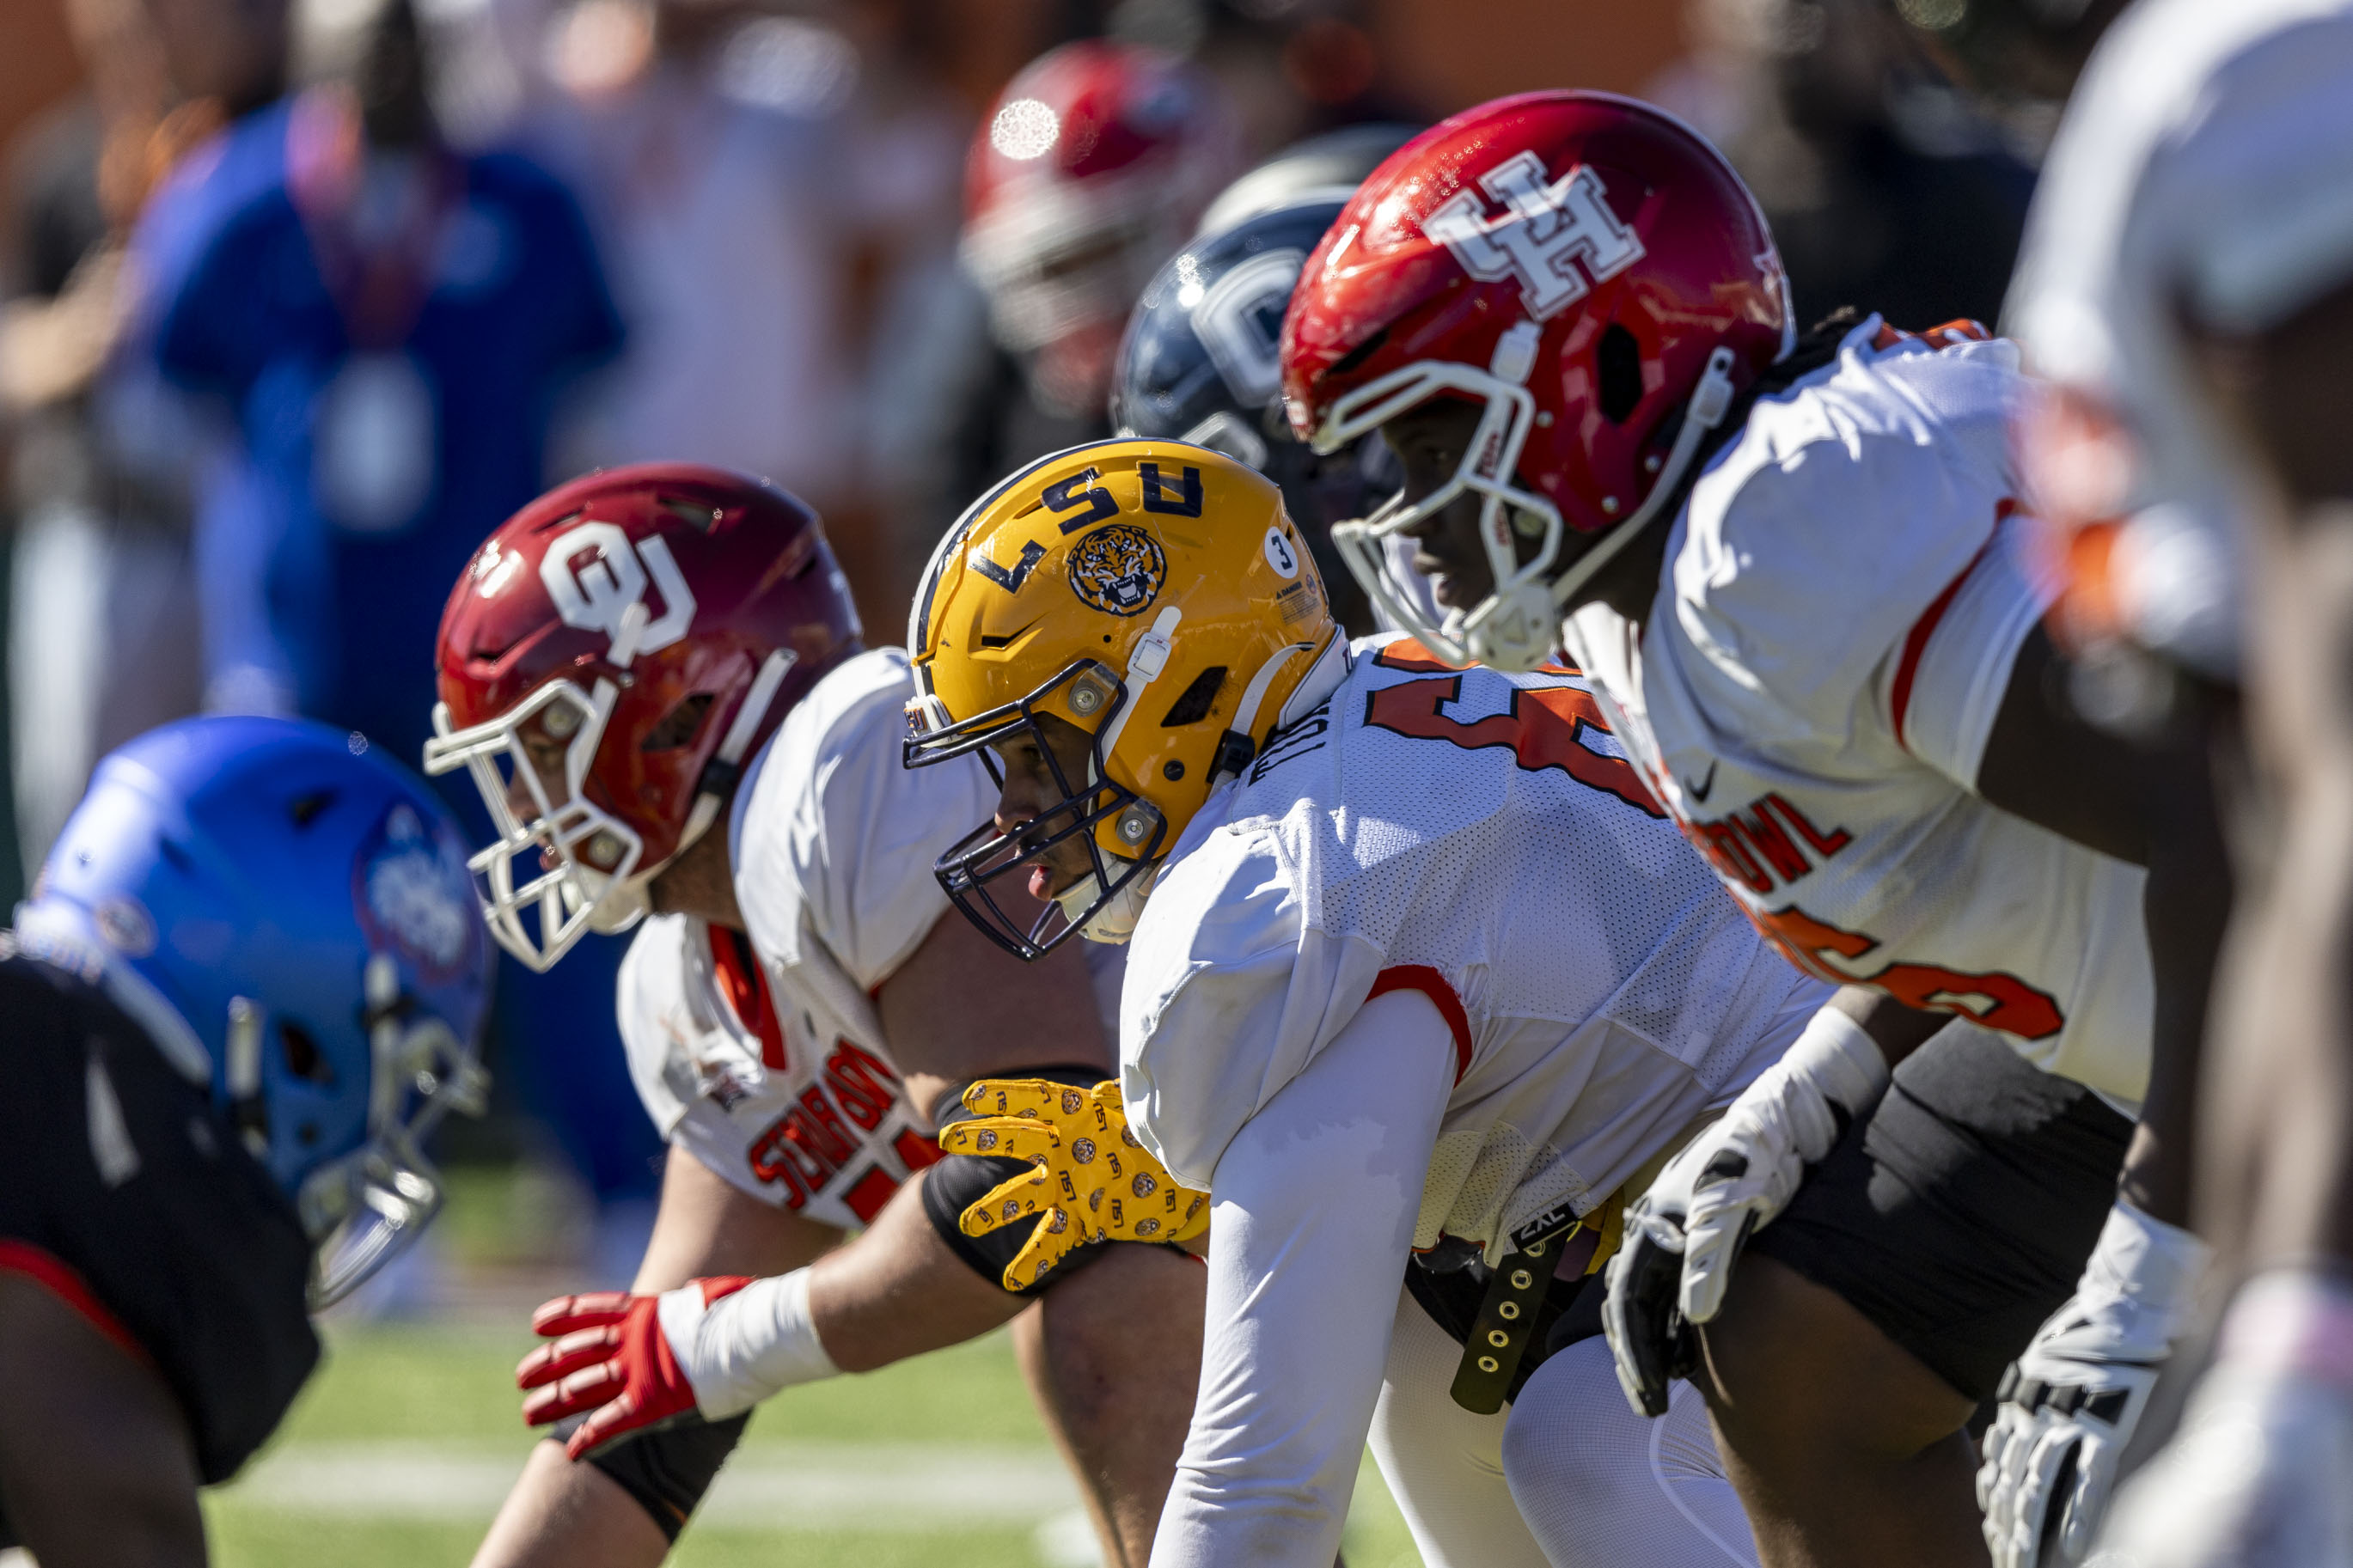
{"x":596,"y":593}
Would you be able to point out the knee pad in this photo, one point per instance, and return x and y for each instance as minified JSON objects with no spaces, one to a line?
{"x":666,"y":1469}
{"x":959,"y":1181}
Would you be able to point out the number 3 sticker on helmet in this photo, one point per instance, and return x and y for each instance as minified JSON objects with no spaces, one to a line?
{"x":1280,"y":555}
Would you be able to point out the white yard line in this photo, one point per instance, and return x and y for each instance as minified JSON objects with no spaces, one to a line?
{"x":917,"y":1487}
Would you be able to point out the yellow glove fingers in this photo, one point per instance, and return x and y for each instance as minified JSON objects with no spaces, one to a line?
{"x":1001,"y":1137}
{"x":1041,"y":1098}
{"x":1016,"y":1198}
{"x":1054,"y":1240}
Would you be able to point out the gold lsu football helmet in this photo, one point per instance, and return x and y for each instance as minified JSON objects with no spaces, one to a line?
{"x":1153,"y":595}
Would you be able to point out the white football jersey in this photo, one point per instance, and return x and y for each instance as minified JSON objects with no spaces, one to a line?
{"x":762,"y":1053}
{"x":1845,"y":594}
{"x":1478,"y":837}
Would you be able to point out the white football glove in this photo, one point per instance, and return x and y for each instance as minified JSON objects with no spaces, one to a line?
{"x":1685,"y":1234}
{"x":2070,"y":1403}
{"x":2258,"y":1475}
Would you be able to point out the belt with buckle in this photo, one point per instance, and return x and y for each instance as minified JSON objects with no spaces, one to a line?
{"x":1557,"y":1242}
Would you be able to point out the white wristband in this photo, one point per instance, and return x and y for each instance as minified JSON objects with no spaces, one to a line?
{"x":2149,"y":1271}
{"x":745,"y":1347}
{"x":2155,"y":1264}
{"x":1835,"y":1054}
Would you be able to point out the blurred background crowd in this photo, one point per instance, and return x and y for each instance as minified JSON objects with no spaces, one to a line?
{"x":302,"y":296}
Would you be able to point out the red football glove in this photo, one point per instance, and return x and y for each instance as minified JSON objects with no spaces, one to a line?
{"x":610,"y":1358}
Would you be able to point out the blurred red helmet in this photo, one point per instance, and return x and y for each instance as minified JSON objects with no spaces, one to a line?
{"x":637,"y":634}
{"x":1087,"y":173}
{"x":1591,"y":271}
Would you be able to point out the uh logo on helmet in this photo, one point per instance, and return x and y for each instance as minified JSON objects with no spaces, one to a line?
{"x":609,"y":661}
{"x":1590,"y":273}
{"x":1152,"y":595}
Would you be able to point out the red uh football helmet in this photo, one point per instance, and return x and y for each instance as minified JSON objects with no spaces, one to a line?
{"x":1587,"y":269}
{"x":640,"y":632}
{"x":1087,"y":174}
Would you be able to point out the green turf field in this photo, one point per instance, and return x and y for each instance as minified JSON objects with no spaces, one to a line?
{"x":405,"y":1442}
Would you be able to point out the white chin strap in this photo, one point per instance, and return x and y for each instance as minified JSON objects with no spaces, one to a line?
{"x":1115,"y":921}
{"x":617,"y":908}
{"x":1517,"y":625}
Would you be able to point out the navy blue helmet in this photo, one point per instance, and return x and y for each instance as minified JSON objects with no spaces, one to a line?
{"x":1327,"y":167}
{"x":1201,"y":364}
{"x":1202,"y":360}
{"x":287,"y":915}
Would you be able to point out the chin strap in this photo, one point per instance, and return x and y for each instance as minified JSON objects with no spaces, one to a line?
{"x":726,"y":769}
{"x":1144,"y":667}
{"x":1708,"y":405}
{"x":719,"y":775}
{"x":1239,"y":742}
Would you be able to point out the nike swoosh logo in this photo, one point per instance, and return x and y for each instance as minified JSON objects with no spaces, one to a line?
{"x":1698,"y":792}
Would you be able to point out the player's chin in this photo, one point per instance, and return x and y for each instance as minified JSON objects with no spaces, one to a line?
{"x":1453,"y":590}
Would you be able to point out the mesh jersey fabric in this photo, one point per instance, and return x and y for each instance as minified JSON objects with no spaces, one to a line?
{"x":1478,"y":836}
{"x":832,"y":843}
{"x":1795,"y":648}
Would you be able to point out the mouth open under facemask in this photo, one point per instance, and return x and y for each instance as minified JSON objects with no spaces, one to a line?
{"x":1106,"y":901}
{"x":1516,"y":625}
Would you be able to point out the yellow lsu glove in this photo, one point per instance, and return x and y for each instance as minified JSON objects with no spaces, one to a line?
{"x":1093,"y":1182}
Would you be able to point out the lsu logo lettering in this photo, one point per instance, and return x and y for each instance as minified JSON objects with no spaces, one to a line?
{"x":596,"y":593}
{"x":1543,"y":230}
{"x":1118,"y":570}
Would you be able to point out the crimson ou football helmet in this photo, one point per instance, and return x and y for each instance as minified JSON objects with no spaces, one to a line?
{"x":1589,"y":270}
{"x":608,"y":661}
{"x":1087,"y":172}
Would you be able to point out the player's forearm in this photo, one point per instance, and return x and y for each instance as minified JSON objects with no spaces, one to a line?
{"x":2282,"y":1160}
{"x":897,"y":1291}
{"x":1897,"y":1030}
{"x":2287,"y":1074}
{"x":1210,"y":1520}
{"x":2186,"y":907}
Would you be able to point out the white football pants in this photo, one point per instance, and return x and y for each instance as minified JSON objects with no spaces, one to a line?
{"x":1566,"y":1475}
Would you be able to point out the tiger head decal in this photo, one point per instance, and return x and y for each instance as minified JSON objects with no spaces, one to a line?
{"x":1118,"y":569}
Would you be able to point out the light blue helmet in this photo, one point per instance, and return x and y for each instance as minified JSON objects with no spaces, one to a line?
{"x":288,"y":914}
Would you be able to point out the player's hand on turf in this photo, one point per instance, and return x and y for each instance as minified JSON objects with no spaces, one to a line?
{"x":2070,"y":1403}
{"x":615,"y":1357}
{"x":1685,"y":1234}
{"x":1092,"y":1181}
{"x":2257,"y":1475}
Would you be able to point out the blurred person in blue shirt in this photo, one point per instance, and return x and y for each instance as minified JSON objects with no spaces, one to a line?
{"x":392,"y":326}
{"x":388,"y":328}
